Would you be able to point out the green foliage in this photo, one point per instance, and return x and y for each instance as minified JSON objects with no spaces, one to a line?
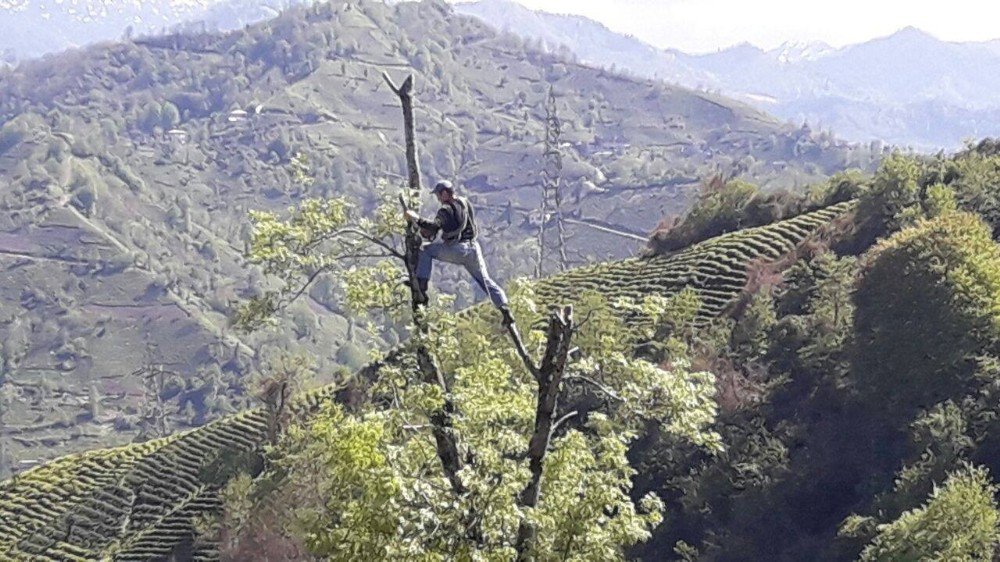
{"x":726,"y":206}
{"x":786,"y":418}
{"x":319,"y":237}
{"x":958,"y":522}
{"x":299,"y":169}
{"x":229,"y":170}
{"x":907,"y":188}
{"x":291,"y":74}
{"x":842,"y":186}
{"x":940,"y":200}
{"x":384,"y":458}
{"x":720,"y":207}
{"x":750,"y":335}
{"x":586,"y":479}
{"x":975,"y":178}
{"x":894,"y":196}
{"x":941,"y":434}
{"x":820,"y":315}
{"x":710,"y":272}
{"x":374,"y":287}
{"x":909,"y":354}
{"x":493,"y":399}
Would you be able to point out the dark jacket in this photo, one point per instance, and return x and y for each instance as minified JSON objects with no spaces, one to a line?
{"x":456,"y":220}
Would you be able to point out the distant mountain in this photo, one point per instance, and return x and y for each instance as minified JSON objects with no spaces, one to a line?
{"x":905,"y":89}
{"x":793,"y":52}
{"x":34,"y":28}
{"x":589,"y":40}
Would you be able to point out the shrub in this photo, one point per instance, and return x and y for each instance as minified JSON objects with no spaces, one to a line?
{"x":927,"y":305}
{"x":721,"y":207}
{"x":958,"y":522}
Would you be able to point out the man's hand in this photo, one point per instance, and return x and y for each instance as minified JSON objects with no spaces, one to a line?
{"x":411,"y":216}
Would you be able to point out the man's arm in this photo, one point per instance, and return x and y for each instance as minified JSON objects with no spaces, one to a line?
{"x":432,"y":226}
{"x":428,"y":228}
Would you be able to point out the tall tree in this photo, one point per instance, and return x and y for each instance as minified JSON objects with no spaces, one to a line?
{"x":958,"y":522}
{"x":475,"y":455}
{"x":916,"y":356}
{"x":444,"y":435}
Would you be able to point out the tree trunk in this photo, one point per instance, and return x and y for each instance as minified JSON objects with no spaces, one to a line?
{"x":549,"y":376}
{"x":443,"y":429}
{"x":404,"y":92}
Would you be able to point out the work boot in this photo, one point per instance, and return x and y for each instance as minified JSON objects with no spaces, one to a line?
{"x":422,"y":285}
{"x":507,"y":320}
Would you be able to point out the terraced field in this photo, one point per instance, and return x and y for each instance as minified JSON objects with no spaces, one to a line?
{"x":716,"y":269}
{"x":141,"y":502}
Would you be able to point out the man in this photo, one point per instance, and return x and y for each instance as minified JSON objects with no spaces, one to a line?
{"x":456,"y":221}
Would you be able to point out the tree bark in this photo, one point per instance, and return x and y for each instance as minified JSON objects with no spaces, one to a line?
{"x":441,"y":421}
{"x":405,"y":94}
{"x":549,"y":376}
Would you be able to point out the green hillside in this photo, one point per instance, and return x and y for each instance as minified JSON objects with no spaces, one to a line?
{"x":141,"y":501}
{"x":800,"y":374}
{"x":852,"y":353}
{"x":127,"y":171}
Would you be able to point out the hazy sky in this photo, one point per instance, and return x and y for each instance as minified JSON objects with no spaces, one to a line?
{"x":707,"y":25}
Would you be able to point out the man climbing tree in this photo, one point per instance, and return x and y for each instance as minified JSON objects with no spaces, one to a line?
{"x":476,"y":451}
{"x":456,"y":221}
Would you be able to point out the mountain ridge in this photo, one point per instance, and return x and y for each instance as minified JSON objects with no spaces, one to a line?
{"x":881,"y":78}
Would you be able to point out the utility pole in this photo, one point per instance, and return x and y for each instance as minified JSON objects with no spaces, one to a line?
{"x":5,"y":457}
{"x":552,"y":186}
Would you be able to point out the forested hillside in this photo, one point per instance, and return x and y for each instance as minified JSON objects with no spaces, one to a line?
{"x":128,"y":171}
{"x":33,"y":29}
{"x":210,"y":314}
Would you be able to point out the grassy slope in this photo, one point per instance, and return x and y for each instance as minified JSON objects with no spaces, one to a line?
{"x":139,"y":501}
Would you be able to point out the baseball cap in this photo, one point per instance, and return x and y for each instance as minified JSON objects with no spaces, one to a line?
{"x":442,"y":185}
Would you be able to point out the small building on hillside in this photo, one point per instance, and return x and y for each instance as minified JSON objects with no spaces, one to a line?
{"x":237,"y":116}
{"x":177,"y":137}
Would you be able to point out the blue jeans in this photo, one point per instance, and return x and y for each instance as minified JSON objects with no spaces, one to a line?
{"x":466,"y":253}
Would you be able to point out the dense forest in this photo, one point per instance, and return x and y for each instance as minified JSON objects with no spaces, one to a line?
{"x":806,"y":373}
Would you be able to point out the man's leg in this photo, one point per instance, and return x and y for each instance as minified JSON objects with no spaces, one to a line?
{"x":440,"y":251}
{"x":425,"y":265}
{"x":476,"y":267}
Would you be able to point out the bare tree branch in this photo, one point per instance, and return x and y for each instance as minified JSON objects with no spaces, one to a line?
{"x":361,"y":234}
{"x":305,"y":286}
{"x":607,"y":229}
{"x":586,"y":319}
{"x":286,"y":301}
{"x":563,"y":419}
{"x":595,"y":384}
{"x":521,"y":351}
